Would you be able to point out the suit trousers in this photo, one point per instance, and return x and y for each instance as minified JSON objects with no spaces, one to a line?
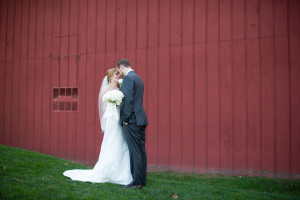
{"x":135,"y":138}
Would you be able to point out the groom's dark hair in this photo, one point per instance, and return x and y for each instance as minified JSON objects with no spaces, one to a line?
{"x":124,"y":62}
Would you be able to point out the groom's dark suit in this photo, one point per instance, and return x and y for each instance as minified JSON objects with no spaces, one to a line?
{"x":133,"y":113}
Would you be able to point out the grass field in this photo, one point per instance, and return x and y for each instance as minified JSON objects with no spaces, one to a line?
{"x":31,"y":175}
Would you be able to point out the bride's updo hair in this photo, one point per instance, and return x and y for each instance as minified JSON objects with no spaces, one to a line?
{"x":110,"y":73}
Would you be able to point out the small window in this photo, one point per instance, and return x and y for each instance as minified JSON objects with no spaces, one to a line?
{"x":62,"y":91}
{"x":68,"y":92}
{"x":68,"y":106}
{"x":55,"y":106}
{"x":65,"y":99}
{"x":55,"y":93}
{"x":74,"y":92}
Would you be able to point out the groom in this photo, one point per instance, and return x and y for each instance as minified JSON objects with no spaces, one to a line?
{"x":133,"y":120}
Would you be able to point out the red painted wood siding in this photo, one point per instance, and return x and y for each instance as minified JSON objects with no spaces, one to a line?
{"x":221,"y":79}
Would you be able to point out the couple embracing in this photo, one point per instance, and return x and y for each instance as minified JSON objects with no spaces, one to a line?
{"x":122,"y":158}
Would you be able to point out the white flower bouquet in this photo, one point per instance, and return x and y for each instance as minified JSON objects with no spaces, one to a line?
{"x":114,"y":97}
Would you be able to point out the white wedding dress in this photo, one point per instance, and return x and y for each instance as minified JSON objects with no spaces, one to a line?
{"x":113,"y":165}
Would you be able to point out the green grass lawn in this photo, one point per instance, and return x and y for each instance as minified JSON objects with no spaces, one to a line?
{"x":30,"y":175}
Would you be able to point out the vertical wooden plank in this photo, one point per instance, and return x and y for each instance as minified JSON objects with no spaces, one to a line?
{"x":110,"y":60}
{"x":55,"y":51}
{"x":7,"y":102}
{"x":280,"y":17}
{"x":32,"y":28}
{"x":121,"y":25}
{"x":91,"y":41}
{"x":213,"y":128}
{"x":141,"y":69}
{"x":91,"y":26}
{"x":30,"y":105}
{"x":90,"y":102}
{"x":188,"y":19}
{"x":101,"y":26}
{"x":14,"y":134}
{"x":47,"y":89}
{"x":63,"y":75}
{"x":73,"y":69}
{"x":163,"y":23}
{"x":111,"y":25}
{"x":175,"y":109}
{"x":37,"y":104}
{"x":48,"y":5}
{"x":200,"y":21}
{"x":46,"y":105}
{"x":10,"y":30}
{"x":25,"y":27}
{"x":131,"y":24}
{"x":282,"y":105}
{"x":295,"y":105}
{"x":100,"y":73}
{"x":239,"y":106}
{"x":268,"y":106}
{"x":15,"y":75}
{"x":187,"y":108}
{"x":225,"y":20}
{"x":2,"y":92}
{"x":17,"y":29}
{"x":252,"y":18}
{"x":22,"y":104}
{"x":175,"y":22}
{"x":200,"y":108}
{"x":141,"y":24}
{"x":266,"y":18}
{"x":293,"y":14}
{"x":163,"y":108}
{"x":131,"y":56}
{"x":152,"y":111}
{"x":294,"y":30}
{"x":253,"y":106}
{"x":226,"y":115}
{"x":39,"y":28}
{"x":3,"y":19}
{"x":38,"y":78}
{"x":8,"y":73}
{"x":3,"y":29}
{"x":238,"y":19}
{"x":188,"y":136}
{"x":153,"y":23}
{"x":212,"y":20}
{"x":82,"y":26}
{"x":81,"y":134}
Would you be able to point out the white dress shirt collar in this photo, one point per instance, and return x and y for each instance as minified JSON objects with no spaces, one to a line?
{"x":129,"y":71}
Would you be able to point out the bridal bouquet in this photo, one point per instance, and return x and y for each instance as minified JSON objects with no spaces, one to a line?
{"x":114,"y":97}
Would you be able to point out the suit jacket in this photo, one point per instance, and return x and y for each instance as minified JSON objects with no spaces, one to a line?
{"x":132,"y":109}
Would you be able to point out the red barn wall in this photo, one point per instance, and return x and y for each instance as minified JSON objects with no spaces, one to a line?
{"x":221,"y":79}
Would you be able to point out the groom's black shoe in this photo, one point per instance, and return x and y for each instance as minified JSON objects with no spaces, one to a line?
{"x":133,"y":186}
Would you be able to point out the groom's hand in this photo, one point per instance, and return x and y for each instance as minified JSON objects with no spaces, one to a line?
{"x":125,"y":123}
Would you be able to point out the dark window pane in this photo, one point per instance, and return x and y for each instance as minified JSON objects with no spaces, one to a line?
{"x":74,"y":92}
{"x":74,"y":105}
{"x":68,"y":106}
{"x":62,"y":92}
{"x":55,"y":93}
{"x":68,"y":91}
{"x":61,"y":105}
{"x":55,"y":105}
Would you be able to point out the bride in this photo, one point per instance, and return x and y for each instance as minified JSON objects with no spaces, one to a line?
{"x":113,"y":165}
